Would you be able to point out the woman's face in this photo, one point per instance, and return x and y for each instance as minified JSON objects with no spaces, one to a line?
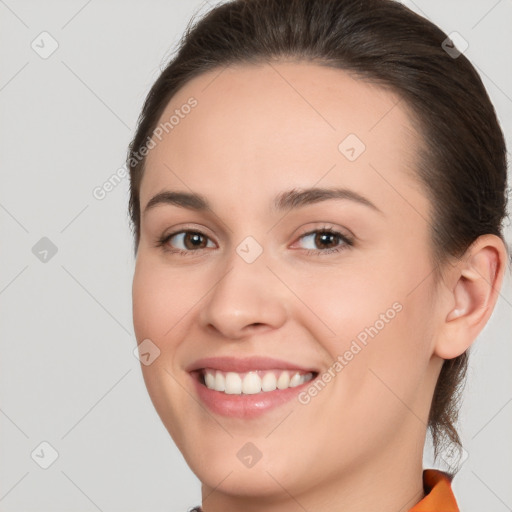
{"x":257,"y":276}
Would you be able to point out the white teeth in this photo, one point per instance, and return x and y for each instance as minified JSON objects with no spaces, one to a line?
{"x":233,"y":383}
{"x":253,"y":382}
{"x":283,"y":381}
{"x":295,"y":380}
{"x":269,"y":382}
{"x":209,"y":380}
{"x":220,"y":382}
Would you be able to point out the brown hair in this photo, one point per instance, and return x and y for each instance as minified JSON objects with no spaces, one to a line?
{"x":462,"y":164}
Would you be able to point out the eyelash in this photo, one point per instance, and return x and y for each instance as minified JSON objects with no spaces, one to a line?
{"x":347,"y":242}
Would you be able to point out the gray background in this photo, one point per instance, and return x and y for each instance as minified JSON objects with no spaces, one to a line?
{"x":68,"y":376}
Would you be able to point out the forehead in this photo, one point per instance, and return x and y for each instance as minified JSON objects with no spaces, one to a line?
{"x":271,"y":126}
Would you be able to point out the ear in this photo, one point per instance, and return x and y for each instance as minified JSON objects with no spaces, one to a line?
{"x":473,"y":284}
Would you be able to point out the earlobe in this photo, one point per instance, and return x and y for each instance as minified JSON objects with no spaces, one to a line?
{"x":476,"y":280}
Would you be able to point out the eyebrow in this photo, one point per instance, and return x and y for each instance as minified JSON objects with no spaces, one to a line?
{"x":288,"y":200}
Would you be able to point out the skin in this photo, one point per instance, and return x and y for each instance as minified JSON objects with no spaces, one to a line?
{"x":259,"y":130}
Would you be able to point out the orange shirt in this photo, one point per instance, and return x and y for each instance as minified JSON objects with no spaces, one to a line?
{"x":439,"y":496}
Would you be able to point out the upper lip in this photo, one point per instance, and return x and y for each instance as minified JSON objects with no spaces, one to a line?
{"x":241,"y":365}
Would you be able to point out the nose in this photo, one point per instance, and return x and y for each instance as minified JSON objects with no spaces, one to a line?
{"x":245,"y":299}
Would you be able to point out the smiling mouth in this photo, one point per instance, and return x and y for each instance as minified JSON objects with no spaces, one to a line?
{"x":252,"y":382}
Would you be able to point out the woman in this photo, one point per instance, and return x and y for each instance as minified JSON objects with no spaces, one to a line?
{"x":317,"y":193}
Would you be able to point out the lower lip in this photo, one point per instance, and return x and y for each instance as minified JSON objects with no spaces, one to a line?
{"x":245,"y":406}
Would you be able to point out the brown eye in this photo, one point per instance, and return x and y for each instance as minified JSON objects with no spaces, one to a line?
{"x":186,"y":241}
{"x":194,"y":240}
{"x":324,"y":238}
{"x":325,"y":241}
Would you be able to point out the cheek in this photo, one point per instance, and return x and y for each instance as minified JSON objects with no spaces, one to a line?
{"x":159,"y":300}
{"x":380,"y":358}
{"x":373,"y":317}
{"x":158,"y":306}
{"x":345,"y":301}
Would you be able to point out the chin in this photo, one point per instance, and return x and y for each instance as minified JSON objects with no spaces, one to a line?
{"x":227,"y":467}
